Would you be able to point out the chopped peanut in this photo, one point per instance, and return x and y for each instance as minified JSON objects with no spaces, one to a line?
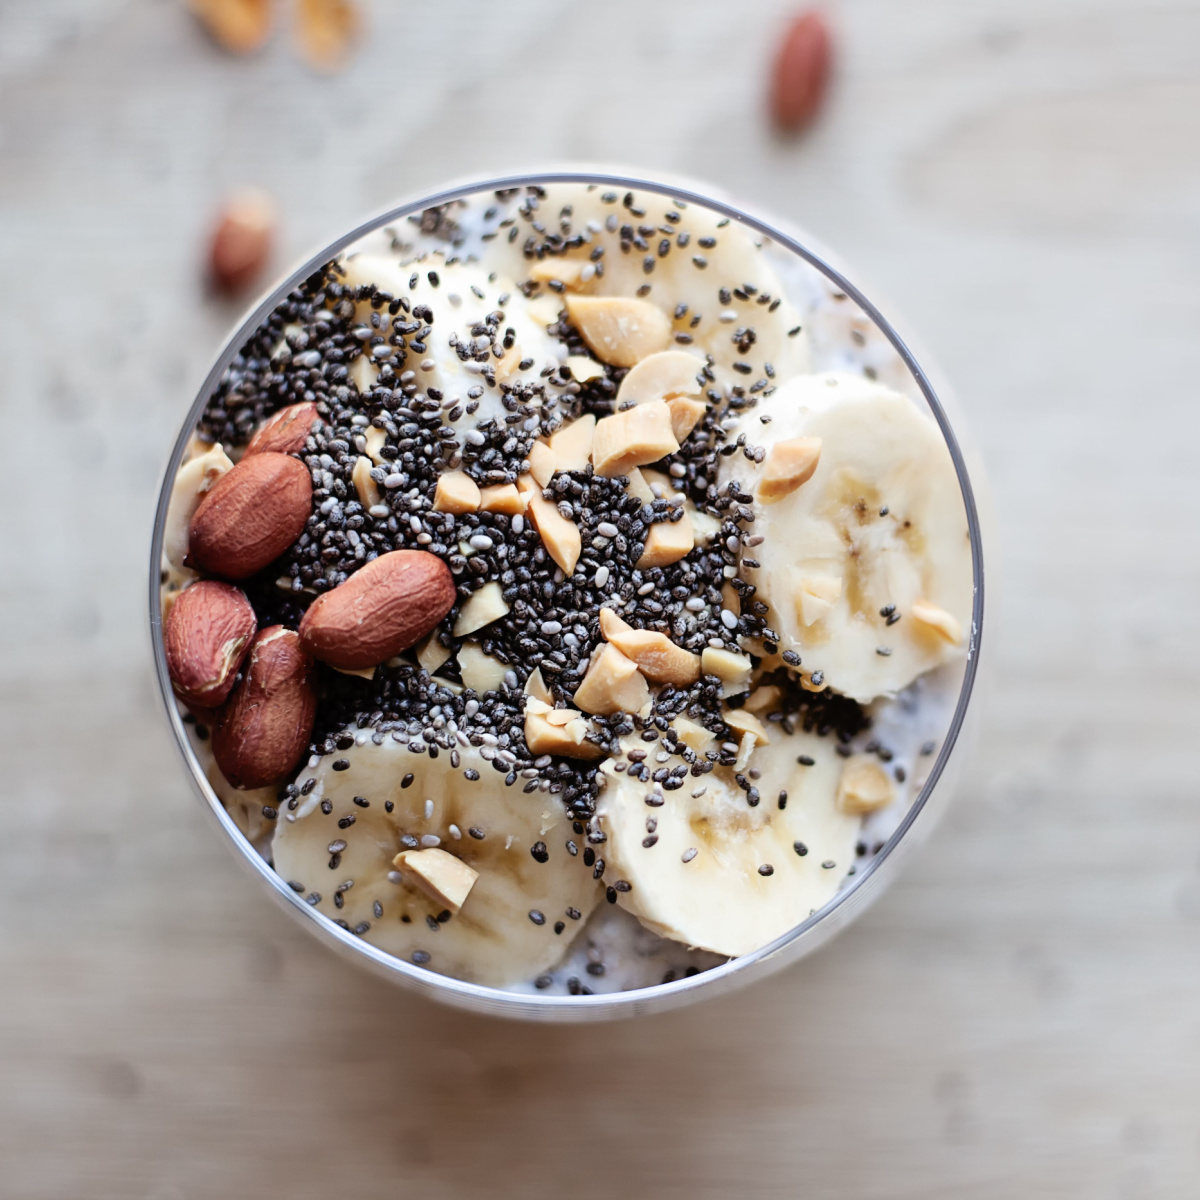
{"x":572,"y":444}
{"x":763,"y":699}
{"x":375,"y":439}
{"x":560,"y":536}
{"x":745,"y":722}
{"x":562,"y":270}
{"x":638,"y":486}
{"x":732,"y":669}
{"x":535,"y":686}
{"x":446,"y":880}
{"x":431,"y":654}
{"x":657,"y":657}
{"x":816,"y":596}
{"x":632,"y":438}
{"x":482,"y":608}
{"x":662,"y":376}
{"x":542,"y":463}
{"x":583,"y":368}
{"x":788,"y":465}
{"x":685,"y":416}
{"x":937,"y":619}
{"x":364,"y":485}
{"x":864,"y":786}
{"x":507,"y":366}
{"x":612,"y":684}
{"x":480,"y":672}
{"x":692,"y":734}
{"x":619,"y":330}
{"x":364,"y":373}
{"x":558,"y":731}
{"x":668,"y":542}
{"x":456,"y":492}
{"x":502,"y":498}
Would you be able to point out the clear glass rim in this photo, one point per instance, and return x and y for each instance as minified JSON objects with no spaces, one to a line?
{"x":496,"y":1000}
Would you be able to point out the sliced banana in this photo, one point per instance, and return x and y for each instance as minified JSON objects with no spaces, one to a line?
{"x":462,"y":298}
{"x":343,"y":861}
{"x":856,"y":559}
{"x":711,"y":871}
{"x":685,"y":281}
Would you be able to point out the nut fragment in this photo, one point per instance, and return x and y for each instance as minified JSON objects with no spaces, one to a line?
{"x":376,"y":438}
{"x":193,"y":481}
{"x":364,"y":485}
{"x":509,"y":364}
{"x":789,"y":464}
{"x":693,"y":735}
{"x":762,"y":699}
{"x":325,"y":31}
{"x":264,"y":727}
{"x":286,"y":431}
{"x":732,"y":669}
{"x":583,"y":368}
{"x":939,"y":620}
{"x":482,"y":608}
{"x":558,"y":731}
{"x":685,"y":416}
{"x":638,"y":486}
{"x":250,"y":516}
{"x":206,"y":636}
{"x":241,"y":242}
{"x":801,"y":74}
{"x":667,"y":542}
{"x":432,"y":655}
{"x":566,"y":271}
{"x":383,"y":608}
{"x":746,"y":723}
{"x":662,"y":376}
{"x":619,"y":330}
{"x":864,"y":786}
{"x":572,"y":444}
{"x":632,"y":438}
{"x":656,"y":656}
{"x":446,"y":880}
{"x":612,"y":684}
{"x":561,"y":537}
{"x":239,"y":26}
{"x":480,"y":672}
{"x":816,"y":596}
{"x":535,"y":686}
{"x":501,"y":498}
{"x":456,"y":492}
{"x":542,"y":463}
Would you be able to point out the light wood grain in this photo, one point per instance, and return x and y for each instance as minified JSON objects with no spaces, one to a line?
{"x":1019,"y":1016}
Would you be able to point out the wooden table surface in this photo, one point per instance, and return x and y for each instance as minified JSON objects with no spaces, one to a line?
{"x":1019,"y":1017}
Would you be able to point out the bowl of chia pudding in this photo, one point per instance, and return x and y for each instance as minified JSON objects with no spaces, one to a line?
{"x":566,"y":595}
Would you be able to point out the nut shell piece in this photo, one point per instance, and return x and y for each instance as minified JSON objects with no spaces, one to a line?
{"x":262,"y":731}
{"x":250,"y":516}
{"x":383,"y":608}
{"x":206,"y":636}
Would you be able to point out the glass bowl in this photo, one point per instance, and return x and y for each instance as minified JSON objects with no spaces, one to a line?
{"x":793,"y":254}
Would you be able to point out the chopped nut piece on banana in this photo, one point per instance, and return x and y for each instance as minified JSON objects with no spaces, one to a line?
{"x":745,"y":722}
{"x":562,"y":731}
{"x":535,"y":686}
{"x":632,"y":438}
{"x":662,"y":376}
{"x":668,"y":542}
{"x":638,"y":486}
{"x":657,"y":657}
{"x":480,"y":672}
{"x":509,"y":365}
{"x":560,"y":536}
{"x":732,"y":669}
{"x":364,"y":485}
{"x":432,"y":655}
{"x":542,"y":463}
{"x":789,"y":464}
{"x":442,"y":877}
{"x":693,"y":735}
{"x":502,"y":498}
{"x":864,"y":786}
{"x":583,"y":368}
{"x":937,"y":619}
{"x":572,"y":444}
{"x":482,"y":608}
{"x":816,"y":596}
{"x":685,"y":416}
{"x":375,"y":439}
{"x":456,"y":492}
{"x":566,"y":271}
{"x":619,"y":330}
{"x":612,"y":684}
{"x":763,"y":699}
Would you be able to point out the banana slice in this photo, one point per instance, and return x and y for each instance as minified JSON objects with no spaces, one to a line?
{"x":692,"y":254}
{"x":342,"y":860}
{"x":709,"y":870}
{"x":866,"y":565}
{"x":461,"y":300}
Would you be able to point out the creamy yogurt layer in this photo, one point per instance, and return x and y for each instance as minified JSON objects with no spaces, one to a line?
{"x":559,"y":600}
